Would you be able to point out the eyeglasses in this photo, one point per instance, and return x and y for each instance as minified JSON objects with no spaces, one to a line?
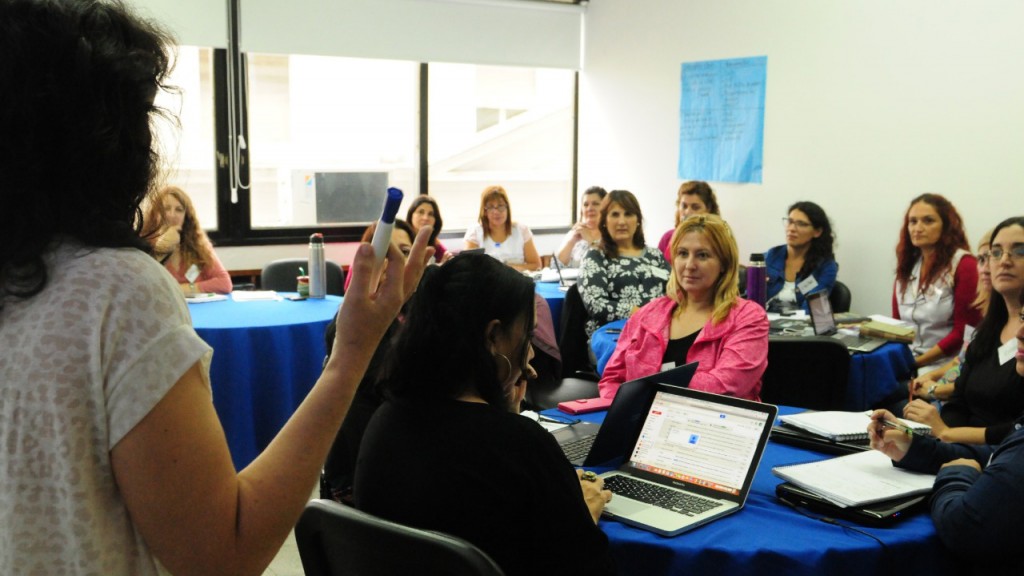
{"x":797,"y":223}
{"x":983,"y":258}
{"x":1015,"y":253}
{"x":498,"y":208}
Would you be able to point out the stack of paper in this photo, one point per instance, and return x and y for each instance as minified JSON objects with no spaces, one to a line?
{"x":204,"y":297}
{"x":856,"y":479}
{"x":253,"y":295}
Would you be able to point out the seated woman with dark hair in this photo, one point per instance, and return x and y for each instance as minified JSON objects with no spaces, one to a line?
{"x":978,"y":497}
{"x":805,"y":264}
{"x":447,"y":450}
{"x":988,"y":395}
{"x":424,"y":211}
{"x":402,"y":236}
{"x":624,"y":273}
{"x":701,"y":319}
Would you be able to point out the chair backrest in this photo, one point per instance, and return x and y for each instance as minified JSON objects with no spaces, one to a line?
{"x":338,"y":540}
{"x":840,"y":297}
{"x":280,"y":275}
{"x":572,"y":340}
{"x":808,"y":372}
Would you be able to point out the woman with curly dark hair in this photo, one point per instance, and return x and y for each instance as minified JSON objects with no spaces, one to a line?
{"x":936,"y":279}
{"x":179,"y":243}
{"x":805,"y":264}
{"x":114,"y":461}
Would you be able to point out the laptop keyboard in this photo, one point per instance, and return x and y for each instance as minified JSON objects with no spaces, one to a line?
{"x":578,"y":448}
{"x":674,"y":500}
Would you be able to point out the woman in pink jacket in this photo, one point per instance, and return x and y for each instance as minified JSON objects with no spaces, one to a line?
{"x":701,"y":319}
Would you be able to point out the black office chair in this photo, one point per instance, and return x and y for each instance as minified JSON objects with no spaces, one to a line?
{"x":280,"y":275}
{"x":338,"y":540}
{"x":573,"y":343}
{"x":808,"y":372}
{"x":840,"y":297}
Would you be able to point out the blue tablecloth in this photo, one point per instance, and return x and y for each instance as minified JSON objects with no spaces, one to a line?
{"x":873,"y":376}
{"x":766,"y":537}
{"x":555,"y":297}
{"x":266,"y":357}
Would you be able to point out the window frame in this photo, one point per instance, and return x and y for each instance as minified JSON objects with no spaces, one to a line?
{"x":235,"y":220}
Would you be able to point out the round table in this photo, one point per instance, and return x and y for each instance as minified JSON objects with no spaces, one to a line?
{"x":267,"y":354}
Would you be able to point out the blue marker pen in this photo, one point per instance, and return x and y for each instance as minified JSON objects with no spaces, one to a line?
{"x":382,"y":235}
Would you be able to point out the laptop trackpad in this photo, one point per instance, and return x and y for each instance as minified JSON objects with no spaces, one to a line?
{"x":621,"y":506}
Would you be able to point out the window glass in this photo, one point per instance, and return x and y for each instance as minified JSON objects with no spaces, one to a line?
{"x":186,"y":139}
{"x":501,"y":125}
{"x":327,"y":135}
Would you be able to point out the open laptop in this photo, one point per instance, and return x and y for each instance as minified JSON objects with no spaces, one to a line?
{"x":693,"y":462}
{"x":607,"y":444}
{"x":566,"y":277}
{"x":824,"y":324}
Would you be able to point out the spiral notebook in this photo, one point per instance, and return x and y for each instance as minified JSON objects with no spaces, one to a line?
{"x":839,"y":426}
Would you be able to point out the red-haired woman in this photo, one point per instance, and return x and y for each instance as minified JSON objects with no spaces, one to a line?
{"x":936,"y":279}
{"x":180,"y":244}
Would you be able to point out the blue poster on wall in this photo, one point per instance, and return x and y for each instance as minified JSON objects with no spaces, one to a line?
{"x":721,"y":120}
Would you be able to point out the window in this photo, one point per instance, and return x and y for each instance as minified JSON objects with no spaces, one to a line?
{"x":325,"y":133}
{"x":501,"y":125}
{"x":187,"y":146}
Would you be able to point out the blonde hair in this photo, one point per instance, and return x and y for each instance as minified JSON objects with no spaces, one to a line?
{"x":719,"y":236}
{"x":981,"y":300}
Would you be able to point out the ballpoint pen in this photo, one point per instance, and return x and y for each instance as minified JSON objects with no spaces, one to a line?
{"x":901,"y":427}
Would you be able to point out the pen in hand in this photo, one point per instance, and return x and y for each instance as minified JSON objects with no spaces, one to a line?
{"x":901,"y":427}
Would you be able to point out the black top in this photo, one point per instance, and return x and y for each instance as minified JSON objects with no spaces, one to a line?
{"x":987,"y":395}
{"x":677,"y":349}
{"x":495,"y":479}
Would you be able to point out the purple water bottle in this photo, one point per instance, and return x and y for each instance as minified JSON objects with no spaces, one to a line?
{"x":757,"y":280}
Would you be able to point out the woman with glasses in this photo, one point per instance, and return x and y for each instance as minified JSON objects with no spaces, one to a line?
{"x":584,"y":234}
{"x":936,"y":279}
{"x":977,"y":500}
{"x":624,"y":273}
{"x":448,"y":450}
{"x":700,"y":319}
{"x":805,"y":264}
{"x":693,"y":197}
{"x":499,"y":236}
{"x":988,"y":395}
{"x":937,"y":385}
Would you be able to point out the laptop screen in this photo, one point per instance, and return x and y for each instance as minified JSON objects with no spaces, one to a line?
{"x":699,"y":442}
{"x":821,"y":313}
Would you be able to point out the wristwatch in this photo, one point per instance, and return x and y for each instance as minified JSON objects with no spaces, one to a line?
{"x":931,"y":391}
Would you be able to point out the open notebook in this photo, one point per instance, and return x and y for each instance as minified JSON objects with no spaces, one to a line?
{"x":838,"y":426}
{"x":856,"y":479}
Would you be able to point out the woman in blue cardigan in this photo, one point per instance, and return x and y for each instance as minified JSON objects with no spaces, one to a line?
{"x":805,"y":264}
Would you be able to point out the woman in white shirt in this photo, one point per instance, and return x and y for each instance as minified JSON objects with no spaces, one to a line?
{"x":499,"y":236}
{"x":584,"y":234}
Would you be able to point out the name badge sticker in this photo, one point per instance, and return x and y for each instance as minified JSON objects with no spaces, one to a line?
{"x":808,"y":285}
{"x":1007,"y":351}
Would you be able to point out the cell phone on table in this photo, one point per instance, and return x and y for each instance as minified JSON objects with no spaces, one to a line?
{"x":585,"y":405}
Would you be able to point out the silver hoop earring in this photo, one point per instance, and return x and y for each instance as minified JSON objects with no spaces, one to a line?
{"x":509,"y":363}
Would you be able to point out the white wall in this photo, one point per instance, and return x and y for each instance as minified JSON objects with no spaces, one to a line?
{"x":869,"y":103}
